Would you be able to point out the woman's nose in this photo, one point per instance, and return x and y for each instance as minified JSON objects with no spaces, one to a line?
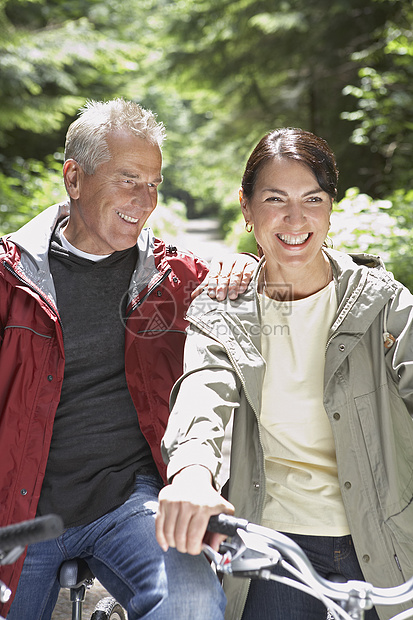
{"x":295,"y":213}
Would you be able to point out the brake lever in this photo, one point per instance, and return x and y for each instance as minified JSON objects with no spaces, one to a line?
{"x":222,"y":561}
{"x":11,"y":556}
{"x":245,"y":556}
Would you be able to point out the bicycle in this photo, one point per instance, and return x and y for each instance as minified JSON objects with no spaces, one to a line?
{"x":74,"y":574}
{"x":77,"y":576}
{"x":253,"y":550}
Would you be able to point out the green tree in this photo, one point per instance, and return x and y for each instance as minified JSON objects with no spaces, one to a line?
{"x":54,"y":55}
{"x":383,"y":121}
{"x":219,"y":73}
{"x":248,"y":66}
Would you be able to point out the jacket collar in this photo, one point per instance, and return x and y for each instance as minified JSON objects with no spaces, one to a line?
{"x":33,"y":240}
{"x":356,"y":276}
{"x":359,"y":276}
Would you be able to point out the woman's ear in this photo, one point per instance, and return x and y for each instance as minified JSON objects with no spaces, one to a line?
{"x":71,"y":175}
{"x":244,"y":204}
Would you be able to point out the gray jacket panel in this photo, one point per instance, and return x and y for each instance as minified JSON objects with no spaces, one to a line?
{"x":368,"y":397}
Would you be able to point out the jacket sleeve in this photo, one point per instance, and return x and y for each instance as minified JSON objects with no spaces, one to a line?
{"x":202,"y":402}
{"x":400,"y":355}
{"x":3,"y":307}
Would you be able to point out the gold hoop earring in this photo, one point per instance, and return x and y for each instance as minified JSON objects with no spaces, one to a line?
{"x":248,"y":226}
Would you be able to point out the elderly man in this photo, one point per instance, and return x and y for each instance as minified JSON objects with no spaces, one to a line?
{"x":91,"y":339}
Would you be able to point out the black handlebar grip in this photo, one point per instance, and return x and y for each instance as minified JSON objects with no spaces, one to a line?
{"x":29,"y":532}
{"x":226,"y":524}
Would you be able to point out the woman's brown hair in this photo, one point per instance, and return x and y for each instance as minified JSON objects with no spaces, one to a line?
{"x":299,"y":145}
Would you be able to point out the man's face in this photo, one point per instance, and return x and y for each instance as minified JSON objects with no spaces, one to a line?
{"x":109,"y":208}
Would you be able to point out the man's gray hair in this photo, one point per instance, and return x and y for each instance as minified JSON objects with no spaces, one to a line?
{"x":86,"y":137}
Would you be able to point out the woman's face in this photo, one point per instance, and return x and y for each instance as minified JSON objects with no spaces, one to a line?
{"x":290,"y":213}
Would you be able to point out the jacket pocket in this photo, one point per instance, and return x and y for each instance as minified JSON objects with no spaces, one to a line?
{"x":387,"y":430}
{"x":401,"y":527}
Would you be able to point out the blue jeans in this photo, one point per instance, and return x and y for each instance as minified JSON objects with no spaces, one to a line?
{"x":122,"y":551}
{"x":269,"y":600}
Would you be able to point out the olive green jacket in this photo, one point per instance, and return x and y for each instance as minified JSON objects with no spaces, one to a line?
{"x":368,"y":397}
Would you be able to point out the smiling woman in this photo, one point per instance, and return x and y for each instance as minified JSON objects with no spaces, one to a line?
{"x":313,"y":364}
{"x":287,"y":194}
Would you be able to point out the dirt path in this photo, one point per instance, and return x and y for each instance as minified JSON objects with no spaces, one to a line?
{"x":202,"y":237}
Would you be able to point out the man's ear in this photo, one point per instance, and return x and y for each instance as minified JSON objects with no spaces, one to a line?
{"x":71,"y":175}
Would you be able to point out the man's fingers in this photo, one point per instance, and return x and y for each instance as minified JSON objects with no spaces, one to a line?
{"x":218,"y":277}
{"x":229,"y":276}
{"x":232,"y":279}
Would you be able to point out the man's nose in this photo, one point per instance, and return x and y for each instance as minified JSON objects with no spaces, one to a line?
{"x":145,"y":197}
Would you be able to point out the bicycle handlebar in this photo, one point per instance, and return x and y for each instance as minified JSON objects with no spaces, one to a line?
{"x":269,"y":547}
{"x":226,"y":524}
{"x":29,"y":532}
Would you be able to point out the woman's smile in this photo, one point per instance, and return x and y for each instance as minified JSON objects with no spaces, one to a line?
{"x":295,"y":240}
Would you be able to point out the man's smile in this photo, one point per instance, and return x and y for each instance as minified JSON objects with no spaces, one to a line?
{"x":128,"y":218}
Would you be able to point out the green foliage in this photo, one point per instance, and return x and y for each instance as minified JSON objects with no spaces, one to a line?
{"x":247,"y":67}
{"x":29,"y":187}
{"x":219,"y":73}
{"x":53,"y":56}
{"x":380,"y":227}
{"x":384,"y":94}
{"x":361,"y":224}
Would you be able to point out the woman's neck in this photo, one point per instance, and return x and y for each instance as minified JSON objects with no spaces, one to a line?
{"x":286,"y":284}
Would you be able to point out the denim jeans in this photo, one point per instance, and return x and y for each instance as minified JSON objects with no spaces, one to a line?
{"x":122,"y":551}
{"x":270,"y":600}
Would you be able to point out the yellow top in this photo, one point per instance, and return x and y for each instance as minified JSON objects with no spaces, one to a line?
{"x":303,"y":494}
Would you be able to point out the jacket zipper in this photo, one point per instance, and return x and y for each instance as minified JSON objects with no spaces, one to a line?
{"x":205,"y":330}
{"x":202,"y":327}
{"x":33,"y":288}
{"x":153,"y":287}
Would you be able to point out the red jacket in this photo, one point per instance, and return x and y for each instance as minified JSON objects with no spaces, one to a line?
{"x":32,"y":355}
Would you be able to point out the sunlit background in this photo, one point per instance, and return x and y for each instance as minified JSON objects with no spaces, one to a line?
{"x":219,"y":74}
